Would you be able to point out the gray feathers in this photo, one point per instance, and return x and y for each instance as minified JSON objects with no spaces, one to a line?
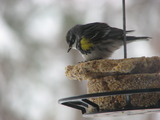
{"x":105,"y":39}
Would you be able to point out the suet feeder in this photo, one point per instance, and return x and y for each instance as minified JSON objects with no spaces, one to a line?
{"x":117,"y":87}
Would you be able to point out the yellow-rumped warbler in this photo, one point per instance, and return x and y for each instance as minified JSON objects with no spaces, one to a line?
{"x":97,"y":40}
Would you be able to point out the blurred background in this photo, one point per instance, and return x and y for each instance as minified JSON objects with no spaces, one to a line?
{"x":33,"y":52}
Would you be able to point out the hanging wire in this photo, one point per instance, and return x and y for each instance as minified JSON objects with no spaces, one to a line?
{"x":124,"y":41}
{"x":124,"y":28}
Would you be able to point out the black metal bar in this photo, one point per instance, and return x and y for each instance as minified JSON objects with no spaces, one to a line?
{"x":102,"y":94}
{"x":94,"y":105}
{"x":76,"y":106}
{"x":80,"y":103}
{"x":124,"y":28}
{"x":124,"y":40}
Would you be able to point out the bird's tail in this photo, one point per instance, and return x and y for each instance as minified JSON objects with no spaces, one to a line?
{"x":131,"y":38}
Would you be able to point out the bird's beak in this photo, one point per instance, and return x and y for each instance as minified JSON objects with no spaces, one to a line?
{"x":69,"y":49}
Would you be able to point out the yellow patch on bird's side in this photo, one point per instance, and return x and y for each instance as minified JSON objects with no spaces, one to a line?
{"x":86,"y":44}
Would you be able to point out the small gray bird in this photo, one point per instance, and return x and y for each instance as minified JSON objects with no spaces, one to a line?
{"x":97,"y":40}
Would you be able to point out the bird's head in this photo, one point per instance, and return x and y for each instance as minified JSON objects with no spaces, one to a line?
{"x":72,"y":37}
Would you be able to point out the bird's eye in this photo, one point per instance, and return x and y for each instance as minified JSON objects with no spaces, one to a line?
{"x":73,"y":39}
{"x":68,"y":37}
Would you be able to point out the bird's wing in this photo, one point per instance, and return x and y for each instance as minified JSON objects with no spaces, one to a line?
{"x":115,"y":33}
{"x":96,"y":32}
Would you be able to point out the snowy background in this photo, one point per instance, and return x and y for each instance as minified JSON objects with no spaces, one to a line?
{"x":33,"y":52}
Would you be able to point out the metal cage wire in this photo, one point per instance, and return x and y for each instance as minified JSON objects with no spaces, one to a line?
{"x":82,"y":102}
